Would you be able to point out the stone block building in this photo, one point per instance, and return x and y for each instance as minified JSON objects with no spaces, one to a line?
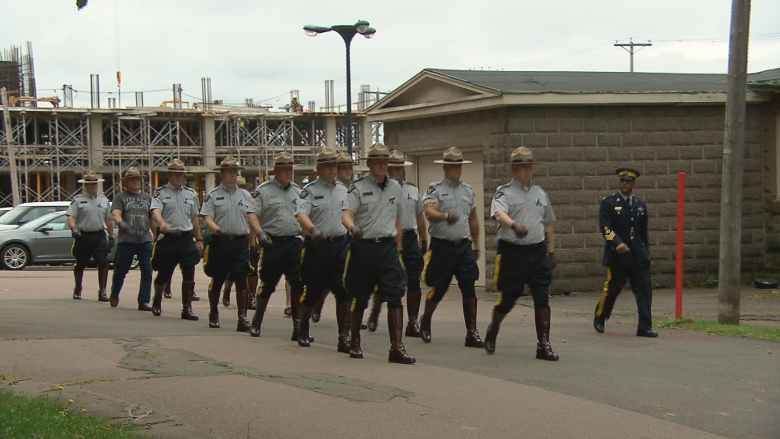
{"x":581,"y":126}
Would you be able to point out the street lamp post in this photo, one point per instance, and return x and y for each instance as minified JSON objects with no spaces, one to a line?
{"x":346,"y":32}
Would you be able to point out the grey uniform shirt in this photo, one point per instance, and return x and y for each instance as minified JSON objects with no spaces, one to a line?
{"x":456,"y":199}
{"x":323,"y":205}
{"x":229,"y":209}
{"x":177,"y":206}
{"x":413,"y":206}
{"x":530,"y":207}
{"x":90,"y":213}
{"x":375,"y":208}
{"x":276,"y":206}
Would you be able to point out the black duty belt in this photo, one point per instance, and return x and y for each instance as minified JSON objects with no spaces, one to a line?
{"x":282,"y":238}
{"x":330,"y":238}
{"x":230,"y":237}
{"x":452,"y":242}
{"x":385,"y":239}
{"x":99,"y":231}
{"x":178,"y":233}
{"x":409,"y":232}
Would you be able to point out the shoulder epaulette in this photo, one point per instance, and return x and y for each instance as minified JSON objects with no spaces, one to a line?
{"x":410,"y":183}
{"x":359,"y":179}
{"x":295,"y":185}
{"x":465,"y":184}
{"x":311,"y":183}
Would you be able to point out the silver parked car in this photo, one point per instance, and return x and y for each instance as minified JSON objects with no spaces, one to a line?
{"x":42,"y":241}
{"x":26,"y":212}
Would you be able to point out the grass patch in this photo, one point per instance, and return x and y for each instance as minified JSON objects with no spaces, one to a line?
{"x":710,"y":327}
{"x":700,"y":282}
{"x":40,"y":418}
{"x":761,"y":295}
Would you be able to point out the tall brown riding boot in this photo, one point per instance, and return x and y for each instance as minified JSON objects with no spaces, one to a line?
{"x":241,"y":303}
{"x":376,"y":309}
{"x":213,"y":307}
{"x":257,"y":319}
{"x":413,"y":311}
{"x":543,"y":348}
{"x":395,"y":324}
{"x":470,"y":316}
{"x":355,"y":320}
{"x":295,"y":306}
{"x":226,"y":292}
{"x":157,"y":300}
{"x":492,"y":331}
{"x":342,"y":320}
{"x":187,"y":290}
{"x":303,"y":325}
{"x":425,"y":321}
{"x":251,"y":281}
{"x":102,"y":281}
{"x":167,"y":293}
{"x":78,"y":276}
{"x":317,"y":311}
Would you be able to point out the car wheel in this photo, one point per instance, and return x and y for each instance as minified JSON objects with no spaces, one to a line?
{"x":14,"y":257}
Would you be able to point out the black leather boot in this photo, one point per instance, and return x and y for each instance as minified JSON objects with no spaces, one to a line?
{"x":543,"y":348}
{"x":355,"y":320}
{"x":376,"y":309}
{"x":251,"y":281}
{"x":342,"y":320}
{"x":395,"y":324}
{"x":241,"y":302}
{"x":413,"y":299}
{"x":157,"y":299}
{"x":167,"y":293}
{"x":492,"y":331}
{"x":425,"y":321}
{"x":226,"y":293}
{"x":470,"y":316}
{"x":317,"y":311}
{"x":78,"y":277}
{"x":303,"y":325}
{"x":257,"y":319}
{"x":213,"y":308}
{"x":102,"y":281}
{"x":187,"y":290}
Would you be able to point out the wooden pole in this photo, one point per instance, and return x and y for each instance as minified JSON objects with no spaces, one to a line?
{"x":680,"y":240}
{"x":9,"y":135}
{"x":731,"y":191}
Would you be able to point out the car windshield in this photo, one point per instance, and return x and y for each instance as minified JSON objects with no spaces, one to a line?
{"x":37,"y":222}
{"x":14,"y":214}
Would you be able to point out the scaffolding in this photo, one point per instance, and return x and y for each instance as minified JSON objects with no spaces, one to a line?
{"x":55,"y":147}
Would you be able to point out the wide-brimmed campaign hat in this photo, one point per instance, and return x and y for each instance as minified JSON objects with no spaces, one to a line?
{"x":453,"y":156}
{"x":397,"y":159}
{"x":177,"y":166}
{"x":132,"y":172}
{"x":344,"y":159}
{"x":241,"y":182}
{"x":327,"y":155}
{"x":627,"y":174}
{"x":284,"y":158}
{"x":378,"y":151}
{"x":229,"y":163}
{"x":91,"y":177}
{"x":522,"y":155}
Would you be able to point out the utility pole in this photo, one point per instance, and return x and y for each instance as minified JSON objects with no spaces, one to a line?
{"x":631,"y":44}
{"x":9,"y":138}
{"x":733,"y":146}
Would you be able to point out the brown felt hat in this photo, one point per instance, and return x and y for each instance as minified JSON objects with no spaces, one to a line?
{"x":453,"y":156}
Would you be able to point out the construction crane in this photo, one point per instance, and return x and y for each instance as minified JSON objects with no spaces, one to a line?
{"x":53,"y":100}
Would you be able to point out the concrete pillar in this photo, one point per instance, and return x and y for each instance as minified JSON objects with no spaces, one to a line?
{"x":96,"y":146}
{"x":330,"y":131}
{"x":209,"y":151}
{"x":366,"y":136}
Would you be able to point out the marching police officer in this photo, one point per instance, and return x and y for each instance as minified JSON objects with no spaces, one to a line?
{"x":524,"y":216}
{"x":319,"y":213}
{"x":272,"y":219}
{"x":372,"y":213}
{"x":175,"y":209}
{"x":344,"y":165}
{"x":450,"y":207}
{"x":623,"y":224}
{"x":226,"y":255}
{"x":413,"y":221}
{"x":89,"y":217}
{"x":254,"y":254}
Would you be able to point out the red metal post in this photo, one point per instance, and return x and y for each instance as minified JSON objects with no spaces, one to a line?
{"x":680,"y":232}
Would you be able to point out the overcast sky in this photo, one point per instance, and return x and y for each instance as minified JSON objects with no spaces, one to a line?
{"x":257,"y":48}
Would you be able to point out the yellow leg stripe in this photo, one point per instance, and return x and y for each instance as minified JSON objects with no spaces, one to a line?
{"x":154,"y":247}
{"x":495,"y":281}
{"x":344,"y":276}
{"x":206,"y":257}
{"x":427,"y":261}
{"x":431,"y":293}
{"x":354,"y":305}
{"x":211,"y":284}
{"x":71,"y":248}
{"x":259,"y":269}
{"x":604,"y":295}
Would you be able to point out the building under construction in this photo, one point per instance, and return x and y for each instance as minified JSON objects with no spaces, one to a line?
{"x":54,"y":147}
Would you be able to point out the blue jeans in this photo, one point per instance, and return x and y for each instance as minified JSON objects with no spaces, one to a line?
{"x":124,"y":258}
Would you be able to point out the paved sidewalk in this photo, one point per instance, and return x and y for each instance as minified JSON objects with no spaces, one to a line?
{"x":181,"y":379}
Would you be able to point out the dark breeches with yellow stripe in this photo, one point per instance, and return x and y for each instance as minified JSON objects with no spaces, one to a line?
{"x":323,"y":268}
{"x":227,"y":258}
{"x":374,"y":266}
{"x":517,"y":265}
{"x":91,"y":244}
{"x":642,"y":287}
{"x":445,"y":260}
{"x":283,"y":256}
{"x":174,"y":250}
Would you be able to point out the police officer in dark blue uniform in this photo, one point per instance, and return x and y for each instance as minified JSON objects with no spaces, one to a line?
{"x":623,"y":224}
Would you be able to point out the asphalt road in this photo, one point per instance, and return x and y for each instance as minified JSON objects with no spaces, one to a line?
{"x":182,"y":379}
